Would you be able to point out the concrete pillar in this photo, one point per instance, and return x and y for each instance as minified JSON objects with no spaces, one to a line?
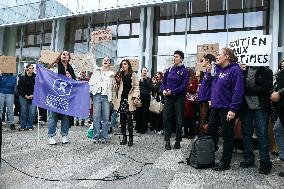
{"x":10,"y":41}
{"x":281,"y":31}
{"x":274,"y":31}
{"x":149,"y":40}
{"x":142,"y":36}
{"x":58,"y":35}
{"x":2,"y":30}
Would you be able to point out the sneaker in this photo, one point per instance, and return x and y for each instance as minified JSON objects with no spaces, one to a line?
{"x":281,"y":174}
{"x":265,"y":168}
{"x":102,"y":140}
{"x":177,"y":145}
{"x":21,"y":129}
{"x":160,"y":132}
{"x":77,"y":123}
{"x":82,"y":123}
{"x":28,"y":129}
{"x":65,"y":140}
{"x":95,"y":140}
{"x":12,"y":127}
{"x":168,"y":145}
{"x":52,"y":141}
{"x":221,"y":166}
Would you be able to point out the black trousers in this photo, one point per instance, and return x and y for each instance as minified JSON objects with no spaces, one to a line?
{"x":218,"y":117}
{"x":142,"y":114}
{"x":173,"y":108}
{"x":126,"y":118}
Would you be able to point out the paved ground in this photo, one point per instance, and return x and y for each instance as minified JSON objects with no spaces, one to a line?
{"x":82,"y":159}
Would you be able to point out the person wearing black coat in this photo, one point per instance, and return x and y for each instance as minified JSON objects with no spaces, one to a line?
{"x":277,"y":98}
{"x":255,"y":113}
{"x":142,"y":113}
{"x":26,"y":88}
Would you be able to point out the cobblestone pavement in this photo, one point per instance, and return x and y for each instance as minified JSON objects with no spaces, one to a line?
{"x":144,"y":165}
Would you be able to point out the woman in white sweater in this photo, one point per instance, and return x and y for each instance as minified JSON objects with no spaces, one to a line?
{"x":101,"y":88}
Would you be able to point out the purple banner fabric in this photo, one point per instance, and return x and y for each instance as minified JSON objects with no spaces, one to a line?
{"x":57,"y":93}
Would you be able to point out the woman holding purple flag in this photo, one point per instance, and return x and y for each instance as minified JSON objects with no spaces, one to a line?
{"x":226,"y":98}
{"x":63,"y":67}
{"x":101,"y":88}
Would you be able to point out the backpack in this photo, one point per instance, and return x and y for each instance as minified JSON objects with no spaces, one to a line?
{"x":202,"y":154}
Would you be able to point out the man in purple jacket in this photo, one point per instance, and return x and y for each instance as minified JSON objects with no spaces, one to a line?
{"x":226,"y":98}
{"x":173,"y":86}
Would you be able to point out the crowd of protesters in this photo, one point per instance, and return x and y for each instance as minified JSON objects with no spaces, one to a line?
{"x":193,"y":102}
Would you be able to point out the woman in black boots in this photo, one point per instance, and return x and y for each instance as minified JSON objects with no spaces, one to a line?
{"x":126,"y":95}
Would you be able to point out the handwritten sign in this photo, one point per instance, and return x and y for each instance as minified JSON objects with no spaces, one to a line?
{"x":80,"y":62}
{"x":134,"y":64}
{"x":8,"y":64}
{"x":252,"y":50}
{"x":101,"y":36}
{"x":47,"y":56}
{"x":203,"y":50}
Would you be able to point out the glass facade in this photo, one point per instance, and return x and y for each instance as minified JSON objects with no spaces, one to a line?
{"x":176,"y":25}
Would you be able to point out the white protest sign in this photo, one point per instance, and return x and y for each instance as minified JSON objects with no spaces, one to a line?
{"x":252,"y":50}
{"x":101,"y":36}
{"x":80,"y":62}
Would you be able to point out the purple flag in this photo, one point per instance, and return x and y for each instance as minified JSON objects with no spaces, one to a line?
{"x":57,"y":93}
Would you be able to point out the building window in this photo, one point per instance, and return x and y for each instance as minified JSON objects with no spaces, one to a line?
{"x":167,"y":26}
{"x":167,"y":10}
{"x":253,"y":19}
{"x":234,"y":4}
{"x":252,"y":3}
{"x":216,"y":22}
{"x":216,"y":5}
{"x":127,"y":47}
{"x":168,"y":44}
{"x":180,"y":25}
{"x":235,"y":20}
{"x":123,"y":29}
{"x":135,"y":28}
{"x":198,"y":6}
{"x":198,"y":23}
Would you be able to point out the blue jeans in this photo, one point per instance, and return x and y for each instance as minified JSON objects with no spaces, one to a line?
{"x":260,"y":120}
{"x":52,"y":123}
{"x":27,"y":113}
{"x":113,"y":118}
{"x":279,"y":136}
{"x":9,"y":99}
{"x":101,"y":116}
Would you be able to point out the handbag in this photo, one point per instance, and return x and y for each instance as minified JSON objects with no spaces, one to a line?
{"x":156,"y":107}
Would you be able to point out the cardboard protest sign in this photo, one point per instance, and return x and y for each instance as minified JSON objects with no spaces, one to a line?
{"x":202,"y":50}
{"x":101,"y":36}
{"x":135,"y":64}
{"x":8,"y":64}
{"x":80,"y":62}
{"x":47,"y":56}
{"x":253,"y":50}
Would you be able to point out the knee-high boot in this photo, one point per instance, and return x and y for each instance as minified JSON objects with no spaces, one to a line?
{"x":130,"y":142}
{"x":123,"y":132}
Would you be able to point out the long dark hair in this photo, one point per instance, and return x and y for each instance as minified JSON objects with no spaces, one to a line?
{"x":130,"y":70}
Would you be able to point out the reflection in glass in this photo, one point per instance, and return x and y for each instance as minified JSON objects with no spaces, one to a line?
{"x":167,"y":26}
{"x":215,"y":5}
{"x":168,"y":44}
{"x":167,"y":10}
{"x":47,"y":38}
{"x":198,"y":6}
{"x":180,"y":25}
{"x":216,"y":22}
{"x":198,"y":23}
{"x":123,"y":29}
{"x":235,"y":20}
{"x":252,"y":3}
{"x":128,"y":47}
{"x":81,"y":48}
{"x":253,"y":19}
{"x":234,"y":4}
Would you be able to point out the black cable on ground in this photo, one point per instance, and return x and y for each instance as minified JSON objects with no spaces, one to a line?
{"x":116,"y":175}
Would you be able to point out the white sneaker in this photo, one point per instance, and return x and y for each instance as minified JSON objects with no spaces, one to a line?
{"x":52,"y":141}
{"x":65,"y":140}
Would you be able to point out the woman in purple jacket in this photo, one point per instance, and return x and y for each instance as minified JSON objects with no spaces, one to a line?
{"x":204,"y":93}
{"x":173,"y":86}
{"x":226,"y":97}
